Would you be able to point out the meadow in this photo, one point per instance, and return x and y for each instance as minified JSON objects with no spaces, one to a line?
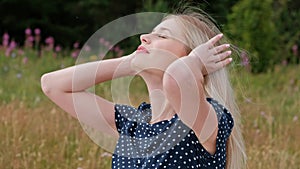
{"x":37,"y":134}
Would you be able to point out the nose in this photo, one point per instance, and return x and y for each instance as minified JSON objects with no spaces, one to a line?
{"x":145,"y":38}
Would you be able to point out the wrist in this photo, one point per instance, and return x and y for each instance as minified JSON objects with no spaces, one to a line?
{"x":195,"y":65}
{"x":197,"y":61}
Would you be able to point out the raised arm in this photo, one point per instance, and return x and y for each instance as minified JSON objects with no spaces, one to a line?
{"x":67,"y":89}
{"x":183,"y":83}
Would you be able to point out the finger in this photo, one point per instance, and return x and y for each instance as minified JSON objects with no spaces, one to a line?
{"x":222,"y":56}
{"x":214,"y":40}
{"x":223,"y":63}
{"x":220,"y":48}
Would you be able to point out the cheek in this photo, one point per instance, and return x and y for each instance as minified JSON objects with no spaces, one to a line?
{"x":179,"y":50}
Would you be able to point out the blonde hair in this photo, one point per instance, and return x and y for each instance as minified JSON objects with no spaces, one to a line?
{"x":198,"y":28}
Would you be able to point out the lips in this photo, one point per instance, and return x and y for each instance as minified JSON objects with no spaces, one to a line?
{"x":142,"y":49}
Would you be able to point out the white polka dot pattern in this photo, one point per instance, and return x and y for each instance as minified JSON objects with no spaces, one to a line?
{"x":166,"y":144}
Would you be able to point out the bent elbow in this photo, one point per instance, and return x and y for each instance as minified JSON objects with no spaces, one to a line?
{"x":46,"y":83}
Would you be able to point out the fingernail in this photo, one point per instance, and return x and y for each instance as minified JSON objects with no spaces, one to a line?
{"x":221,"y":34}
{"x":229,"y":52}
{"x":227,"y":45}
{"x":230,"y":59}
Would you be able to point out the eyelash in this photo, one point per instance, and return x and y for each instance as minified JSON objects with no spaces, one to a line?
{"x":162,"y":36}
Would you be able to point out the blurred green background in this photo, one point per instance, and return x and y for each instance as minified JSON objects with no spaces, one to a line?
{"x":268,"y":29}
{"x":42,"y":36}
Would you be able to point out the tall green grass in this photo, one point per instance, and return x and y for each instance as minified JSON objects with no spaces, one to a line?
{"x":20,"y":79}
{"x":37,"y":134}
{"x":269,"y":105}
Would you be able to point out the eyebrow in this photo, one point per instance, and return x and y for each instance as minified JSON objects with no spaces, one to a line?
{"x":163,"y":29}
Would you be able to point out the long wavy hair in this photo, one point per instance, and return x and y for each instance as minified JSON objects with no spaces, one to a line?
{"x":198,"y":27}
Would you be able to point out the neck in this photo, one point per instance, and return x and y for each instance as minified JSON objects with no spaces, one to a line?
{"x":161,"y":109}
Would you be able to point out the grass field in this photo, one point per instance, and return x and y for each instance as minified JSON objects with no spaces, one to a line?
{"x":36,"y":134}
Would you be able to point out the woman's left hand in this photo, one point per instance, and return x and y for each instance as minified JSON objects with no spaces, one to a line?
{"x":211,"y":58}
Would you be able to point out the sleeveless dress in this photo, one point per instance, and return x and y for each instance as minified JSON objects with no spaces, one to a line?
{"x":166,"y":144}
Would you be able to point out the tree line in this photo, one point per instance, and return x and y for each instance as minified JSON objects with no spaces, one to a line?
{"x":268,"y":30}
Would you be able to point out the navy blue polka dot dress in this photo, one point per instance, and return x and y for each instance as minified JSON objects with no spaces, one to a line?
{"x":166,"y":144}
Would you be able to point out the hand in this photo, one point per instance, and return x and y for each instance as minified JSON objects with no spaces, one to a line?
{"x":211,"y":58}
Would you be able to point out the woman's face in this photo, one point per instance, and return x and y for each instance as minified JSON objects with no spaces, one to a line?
{"x":160,"y":47}
{"x":165,"y":36}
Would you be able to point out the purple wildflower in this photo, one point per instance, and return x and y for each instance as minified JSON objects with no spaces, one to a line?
{"x":12,"y":45}
{"x":245,"y":59}
{"x":101,"y":40}
{"x":50,"y":43}
{"x":87,"y":48}
{"x":49,"y":40}
{"x":295,"y":49}
{"x":28,"y":31}
{"x":76,"y":45}
{"x":74,"y":54}
{"x":37,"y":31}
{"x":117,"y":49}
{"x":6,"y":36}
{"x":57,"y":48}
{"x":30,"y":38}
{"x":120,"y":53}
{"x":5,"y":41}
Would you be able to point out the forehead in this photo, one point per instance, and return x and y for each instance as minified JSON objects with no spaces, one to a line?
{"x":172,"y":26}
{"x":169,"y":23}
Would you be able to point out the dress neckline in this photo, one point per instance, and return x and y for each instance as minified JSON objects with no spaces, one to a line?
{"x":145,"y":108}
{"x":172,"y":119}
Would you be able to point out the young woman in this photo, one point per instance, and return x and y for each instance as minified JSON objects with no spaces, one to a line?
{"x":191,"y":121}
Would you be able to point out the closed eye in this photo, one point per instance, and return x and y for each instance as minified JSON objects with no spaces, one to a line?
{"x":161,"y":36}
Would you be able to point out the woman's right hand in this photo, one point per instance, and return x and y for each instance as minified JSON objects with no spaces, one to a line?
{"x":210,"y":57}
